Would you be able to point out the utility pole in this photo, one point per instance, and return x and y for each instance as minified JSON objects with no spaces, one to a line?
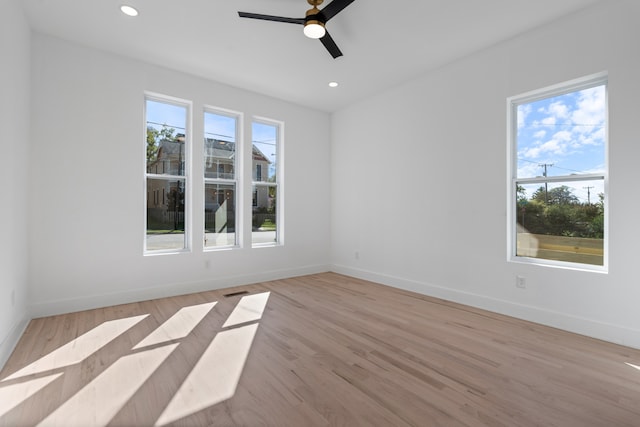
{"x":546,"y":188}
{"x":588,"y":193}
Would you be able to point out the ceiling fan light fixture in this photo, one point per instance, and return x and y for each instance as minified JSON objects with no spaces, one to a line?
{"x":314,"y":29}
{"x":129,"y":10}
{"x":313,"y":22}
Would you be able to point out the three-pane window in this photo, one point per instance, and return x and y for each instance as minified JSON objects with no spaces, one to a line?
{"x":167,"y":178}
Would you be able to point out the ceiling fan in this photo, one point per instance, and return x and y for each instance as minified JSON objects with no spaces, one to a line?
{"x":314,"y":21}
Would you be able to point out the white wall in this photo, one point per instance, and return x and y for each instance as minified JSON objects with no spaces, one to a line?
{"x":419,"y":180}
{"x":14,"y":143}
{"x":87,"y":187}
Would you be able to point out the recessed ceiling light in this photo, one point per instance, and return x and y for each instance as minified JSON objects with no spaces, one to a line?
{"x":129,"y":10}
{"x":333,"y":84}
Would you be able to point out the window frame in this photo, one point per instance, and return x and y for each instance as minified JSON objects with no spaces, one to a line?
{"x":279,"y":179}
{"x":186,"y":176}
{"x":236,"y":181}
{"x":513,"y":102}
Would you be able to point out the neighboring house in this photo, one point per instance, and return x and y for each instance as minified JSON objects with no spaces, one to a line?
{"x":219,"y":159}
{"x":219,"y":163}
{"x":260,"y":173}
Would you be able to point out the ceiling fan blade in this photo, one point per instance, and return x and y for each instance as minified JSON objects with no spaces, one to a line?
{"x":331,"y":46}
{"x":271,"y":18}
{"x":333,"y":8}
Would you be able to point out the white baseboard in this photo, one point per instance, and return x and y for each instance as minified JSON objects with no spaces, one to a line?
{"x":10,"y":341}
{"x":591,"y":328}
{"x":70,"y":305}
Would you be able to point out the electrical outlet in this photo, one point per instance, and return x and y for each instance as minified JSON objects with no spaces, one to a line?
{"x":13,"y":297}
{"x":357,"y":255}
{"x":521,"y":282}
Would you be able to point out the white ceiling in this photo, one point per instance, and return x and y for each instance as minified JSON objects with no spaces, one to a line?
{"x":385,"y":42}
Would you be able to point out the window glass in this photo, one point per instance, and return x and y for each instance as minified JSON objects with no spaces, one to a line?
{"x":219,"y":146}
{"x":220,"y":215}
{"x":166,"y":128}
{"x":561,"y":221}
{"x":165,"y":214}
{"x":562,"y":135}
{"x":220,"y":130}
{"x":166,"y":145}
{"x":265,"y":186}
{"x":265,"y":144}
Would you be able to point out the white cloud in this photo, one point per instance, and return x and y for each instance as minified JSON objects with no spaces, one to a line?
{"x":553,"y":146}
{"x":527,"y":170}
{"x":557,"y":145}
{"x":559,"y":110}
{"x":562,"y":136}
{"x":560,"y":130}
{"x":531,"y":152}
{"x":549,"y":121}
{"x":523,"y":111}
{"x":590,"y":109}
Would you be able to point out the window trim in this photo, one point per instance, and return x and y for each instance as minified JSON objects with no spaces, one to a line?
{"x":188,"y":152}
{"x":599,"y":79}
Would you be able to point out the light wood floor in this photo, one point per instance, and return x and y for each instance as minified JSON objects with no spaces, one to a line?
{"x":320,"y":350}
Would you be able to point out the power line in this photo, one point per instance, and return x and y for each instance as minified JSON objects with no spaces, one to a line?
{"x":213,"y":133}
{"x":165,"y":125}
{"x":557,"y":167}
{"x":264,"y":141}
{"x":220,"y":135}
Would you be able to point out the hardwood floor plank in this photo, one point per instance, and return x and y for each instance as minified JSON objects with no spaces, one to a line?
{"x":328,"y":350}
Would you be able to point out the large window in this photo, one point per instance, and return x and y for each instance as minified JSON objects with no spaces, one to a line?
{"x":232,"y":168}
{"x":220,"y":178}
{"x":558,"y":175}
{"x":167,"y":153}
{"x":265,"y":172}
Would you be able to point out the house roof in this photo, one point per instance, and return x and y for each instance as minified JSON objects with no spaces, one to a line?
{"x":214,"y":149}
{"x":217,"y":149}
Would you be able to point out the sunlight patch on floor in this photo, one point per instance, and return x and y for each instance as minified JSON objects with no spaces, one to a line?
{"x":177,"y":326}
{"x":633,"y":366}
{"x":215,"y":376}
{"x":14,"y":394}
{"x":100,"y":400}
{"x":80,"y":348}
{"x":249,"y":309}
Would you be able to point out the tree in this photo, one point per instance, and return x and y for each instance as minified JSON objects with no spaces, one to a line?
{"x":559,"y":220}
{"x":561,"y":214}
{"x":521,"y":193}
{"x":556,"y":196}
{"x":154,"y":136}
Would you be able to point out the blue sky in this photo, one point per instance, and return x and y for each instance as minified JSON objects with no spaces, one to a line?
{"x":221,"y":127}
{"x":568,"y":132}
{"x":174,"y":116}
